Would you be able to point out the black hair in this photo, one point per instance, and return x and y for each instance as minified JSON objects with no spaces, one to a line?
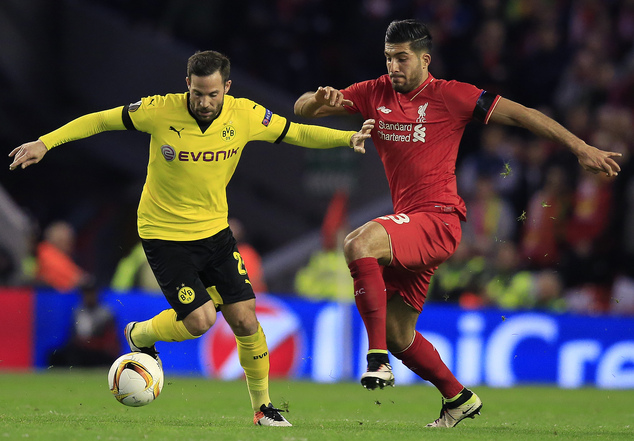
{"x":409,"y":31}
{"x":206,"y":63}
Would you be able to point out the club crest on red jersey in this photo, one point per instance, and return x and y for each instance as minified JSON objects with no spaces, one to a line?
{"x":422,"y":113}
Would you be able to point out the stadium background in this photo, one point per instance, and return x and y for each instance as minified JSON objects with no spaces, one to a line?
{"x":571,"y":59}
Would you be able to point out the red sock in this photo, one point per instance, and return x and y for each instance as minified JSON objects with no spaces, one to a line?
{"x":369,"y":295}
{"x":422,"y":358}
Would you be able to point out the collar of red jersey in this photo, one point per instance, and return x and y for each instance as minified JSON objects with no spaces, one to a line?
{"x":411,"y":95}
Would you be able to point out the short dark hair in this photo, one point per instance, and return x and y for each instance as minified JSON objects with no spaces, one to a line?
{"x":207,"y":63}
{"x":409,"y":31}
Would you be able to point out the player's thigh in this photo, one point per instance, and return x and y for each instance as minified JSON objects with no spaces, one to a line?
{"x":421,"y":241}
{"x":225,"y":276}
{"x":411,"y":286}
{"x":174,"y":267}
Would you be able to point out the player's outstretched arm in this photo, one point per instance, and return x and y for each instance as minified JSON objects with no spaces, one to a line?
{"x":590,"y":158}
{"x":319,"y":137}
{"x":82,"y":127}
{"x":323,"y":102}
{"x":27,"y":154}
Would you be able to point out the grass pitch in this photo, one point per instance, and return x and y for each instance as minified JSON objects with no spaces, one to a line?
{"x":77,"y":405}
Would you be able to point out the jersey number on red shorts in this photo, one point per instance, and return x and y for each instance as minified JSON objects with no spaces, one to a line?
{"x":398,"y":218}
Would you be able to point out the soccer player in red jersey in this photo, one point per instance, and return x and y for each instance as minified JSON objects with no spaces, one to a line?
{"x":419,"y":122}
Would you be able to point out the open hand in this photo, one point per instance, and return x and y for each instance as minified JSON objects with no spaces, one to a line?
{"x":599,"y":161}
{"x":357,"y":141}
{"x":27,"y":154}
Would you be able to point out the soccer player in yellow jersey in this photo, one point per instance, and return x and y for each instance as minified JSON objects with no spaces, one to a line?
{"x":197,"y":139}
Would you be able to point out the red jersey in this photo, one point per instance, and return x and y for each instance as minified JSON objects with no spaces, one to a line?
{"x":417,"y":135}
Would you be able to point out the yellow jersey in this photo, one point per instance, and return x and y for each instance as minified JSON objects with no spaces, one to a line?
{"x":190,"y":164}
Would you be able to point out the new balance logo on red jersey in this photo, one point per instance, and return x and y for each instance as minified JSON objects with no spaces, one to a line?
{"x":384,"y":109}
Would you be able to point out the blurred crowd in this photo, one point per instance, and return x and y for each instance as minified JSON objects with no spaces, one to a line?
{"x":541,"y":233}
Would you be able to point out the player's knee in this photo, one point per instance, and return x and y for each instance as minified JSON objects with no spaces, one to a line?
{"x":370,"y":240}
{"x":199,"y":321}
{"x":246,"y":324}
{"x":397,"y":343}
{"x":398,"y":335}
{"x":354,"y":247}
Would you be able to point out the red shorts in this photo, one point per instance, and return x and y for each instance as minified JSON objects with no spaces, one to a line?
{"x":420,"y":242}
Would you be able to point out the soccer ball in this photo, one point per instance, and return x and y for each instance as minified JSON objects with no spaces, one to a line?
{"x":135,"y":379}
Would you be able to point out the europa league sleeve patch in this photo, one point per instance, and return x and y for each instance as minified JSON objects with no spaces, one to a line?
{"x":267,"y":117}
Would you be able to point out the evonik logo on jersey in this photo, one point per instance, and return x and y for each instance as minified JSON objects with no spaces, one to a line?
{"x":169,"y":153}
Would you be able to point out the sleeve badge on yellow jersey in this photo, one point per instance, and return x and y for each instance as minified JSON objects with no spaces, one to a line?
{"x":267,"y":118}
{"x":133,"y":107}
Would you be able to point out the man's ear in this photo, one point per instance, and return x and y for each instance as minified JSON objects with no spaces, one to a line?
{"x":426,"y":59}
{"x":227,"y":86}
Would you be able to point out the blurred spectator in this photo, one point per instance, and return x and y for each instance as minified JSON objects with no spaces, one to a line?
{"x":622,"y":299}
{"x":585,"y":227}
{"x":251,"y":257}
{"x":491,"y":217}
{"x":589,"y":298}
{"x":7,"y":266}
{"x":540,"y":68}
{"x":55,"y":265}
{"x":534,"y":158}
{"x":489,"y":62}
{"x":459,"y":279}
{"x":94,"y":339}
{"x":495,"y":158}
{"x":326,"y":276}
{"x":545,"y":217}
{"x":586,"y":81}
{"x":548,"y":291}
{"x":508,"y":286}
{"x":28,"y":265}
{"x":133,"y":271}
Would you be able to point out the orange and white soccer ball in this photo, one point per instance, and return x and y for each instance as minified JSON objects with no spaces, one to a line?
{"x":135,"y":379}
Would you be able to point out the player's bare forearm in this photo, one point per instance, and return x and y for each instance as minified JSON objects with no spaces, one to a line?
{"x":590,"y":158}
{"x":324,"y":101}
{"x":27,"y":154}
{"x":306,"y":105}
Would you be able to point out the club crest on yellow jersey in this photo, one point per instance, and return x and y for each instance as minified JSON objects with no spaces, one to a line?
{"x":228,"y":133}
